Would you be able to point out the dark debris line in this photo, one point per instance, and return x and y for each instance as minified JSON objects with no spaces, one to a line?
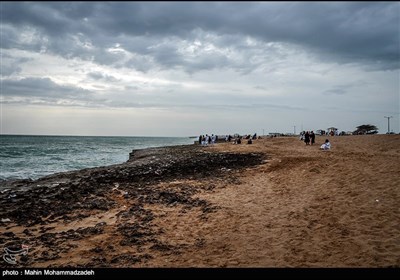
{"x":88,"y":190}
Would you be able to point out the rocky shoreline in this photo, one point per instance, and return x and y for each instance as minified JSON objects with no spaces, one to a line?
{"x":105,"y":216}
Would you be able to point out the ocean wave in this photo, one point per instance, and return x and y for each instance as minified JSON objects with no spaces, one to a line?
{"x":33,"y":157}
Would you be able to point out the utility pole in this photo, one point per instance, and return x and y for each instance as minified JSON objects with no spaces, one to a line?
{"x":294,"y":128}
{"x":263,"y":132}
{"x":388,"y":123}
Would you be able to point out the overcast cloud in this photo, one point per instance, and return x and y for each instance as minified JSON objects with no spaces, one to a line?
{"x":185,"y":68}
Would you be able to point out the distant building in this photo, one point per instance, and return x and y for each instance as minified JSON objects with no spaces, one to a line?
{"x":274,"y":134}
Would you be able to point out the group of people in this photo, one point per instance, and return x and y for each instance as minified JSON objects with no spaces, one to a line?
{"x":249,"y":138}
{"x":212,"y":139}
{"x":309,"y":137}
{"x":208,"y":139}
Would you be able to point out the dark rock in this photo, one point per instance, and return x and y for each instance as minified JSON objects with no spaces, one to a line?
{"x":97,"y":250}
{"x":131,"y":259}
{"x":27,"y":232}
{"x":9,"y":234}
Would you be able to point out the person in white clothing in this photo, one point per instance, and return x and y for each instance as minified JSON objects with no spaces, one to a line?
{"x":326,"y":145}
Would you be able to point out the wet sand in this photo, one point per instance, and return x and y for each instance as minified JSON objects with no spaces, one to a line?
{"x":275,"y":203}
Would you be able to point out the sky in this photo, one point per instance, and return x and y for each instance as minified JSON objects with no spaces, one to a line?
{"x":190,"y":68}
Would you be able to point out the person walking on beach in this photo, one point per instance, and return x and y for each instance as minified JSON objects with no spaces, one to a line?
{"x":312,"y":136}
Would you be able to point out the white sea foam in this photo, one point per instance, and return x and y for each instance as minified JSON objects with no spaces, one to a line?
{"x":23,"y":157}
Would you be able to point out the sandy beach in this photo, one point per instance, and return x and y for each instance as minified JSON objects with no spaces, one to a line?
{"x":275,"y":203}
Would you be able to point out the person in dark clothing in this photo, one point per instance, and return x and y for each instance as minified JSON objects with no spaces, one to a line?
{"x":307,"y":138}
{"x":312,"y":136}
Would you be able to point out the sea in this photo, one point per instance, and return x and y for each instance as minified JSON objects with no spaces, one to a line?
{"x":35,"y":156}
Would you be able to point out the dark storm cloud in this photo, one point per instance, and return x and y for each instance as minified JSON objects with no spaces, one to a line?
{"x":11,"y":65}
{"x":42,"y":87}
{"x":53,"y":18}
{"x":7,"y":70}
{"x":343,"y":32}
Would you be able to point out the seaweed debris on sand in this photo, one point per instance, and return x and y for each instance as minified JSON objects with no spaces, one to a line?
{"x":105,"y":217}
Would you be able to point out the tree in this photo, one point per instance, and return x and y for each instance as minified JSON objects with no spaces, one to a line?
{"x":366,"y":128}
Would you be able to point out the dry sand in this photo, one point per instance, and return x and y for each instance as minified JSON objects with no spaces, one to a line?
{"x":307,"y":208}
{"x":302,"y":207}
